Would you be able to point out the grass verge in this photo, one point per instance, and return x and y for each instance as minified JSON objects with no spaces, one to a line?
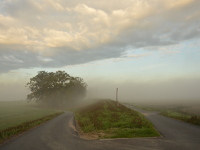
{"x":193,"y":119}
{"x":106,"y":120}
{"x":12,"y":131}
{"x":183,"y":113}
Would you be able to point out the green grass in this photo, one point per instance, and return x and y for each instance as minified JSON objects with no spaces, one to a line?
{"x":18,"y":116}
{"x":17,"y":112}
{"x":115,"y":122}
{"x":147,"y":107}
{"x":193,"y":119}
{"x":174,"y":111}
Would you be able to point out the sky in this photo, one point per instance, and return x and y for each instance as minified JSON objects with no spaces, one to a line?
{"x":149,"y":49}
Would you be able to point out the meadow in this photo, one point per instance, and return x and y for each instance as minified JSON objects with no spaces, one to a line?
{"x":105,"y":119}
{"x":19,"y":116}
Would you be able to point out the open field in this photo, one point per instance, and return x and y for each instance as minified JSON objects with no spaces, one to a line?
{"x":186,"y":112}
{"x":19,"y":116}
{"x":105,"y":120}
{"x":17,"y":112}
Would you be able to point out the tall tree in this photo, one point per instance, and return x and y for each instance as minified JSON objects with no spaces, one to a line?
{"x":56,"y":88}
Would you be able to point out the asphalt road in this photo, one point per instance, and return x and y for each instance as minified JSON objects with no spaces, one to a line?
{"x":60,"y":134}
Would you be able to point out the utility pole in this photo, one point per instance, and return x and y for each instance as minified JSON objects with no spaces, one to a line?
{"x":117,"y":97}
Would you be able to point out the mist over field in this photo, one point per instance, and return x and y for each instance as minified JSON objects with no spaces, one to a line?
{"x":10,"y":92}
{"x":178,"y":90}
{"x":106,"y":69}
{"x":149,"y":49}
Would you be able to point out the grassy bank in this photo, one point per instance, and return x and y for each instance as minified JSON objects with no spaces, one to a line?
{"x":18,"y":116}
{"x":184,"y":113}
{"x":106,"y":120}
{"x":193,"y":119}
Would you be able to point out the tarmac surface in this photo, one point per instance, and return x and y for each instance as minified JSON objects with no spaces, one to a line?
{"x":60,"y":134}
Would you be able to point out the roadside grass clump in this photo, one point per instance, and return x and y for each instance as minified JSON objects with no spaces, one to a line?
{"x":11,"y":131}
{"x":193,"y":119}
{"x":113,"y":121}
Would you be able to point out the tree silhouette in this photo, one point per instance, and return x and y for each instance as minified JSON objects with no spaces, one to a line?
{"x":55,"y":88}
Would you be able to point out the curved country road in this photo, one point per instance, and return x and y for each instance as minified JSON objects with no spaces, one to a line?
{"x":59,"y":134}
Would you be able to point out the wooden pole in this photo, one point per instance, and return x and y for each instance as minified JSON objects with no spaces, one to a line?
{"x":117,"y":97}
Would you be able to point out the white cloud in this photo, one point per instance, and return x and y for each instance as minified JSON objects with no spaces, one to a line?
{"x":93,"y":30}
{"x":170,"y":4}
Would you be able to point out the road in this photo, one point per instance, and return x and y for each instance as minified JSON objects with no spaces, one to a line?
{"x":60,"y":134}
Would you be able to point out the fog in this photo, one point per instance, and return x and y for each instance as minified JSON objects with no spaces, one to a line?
{"x":179,"y":90}
{"x":13,"y":91}
{"x":169,"y":91}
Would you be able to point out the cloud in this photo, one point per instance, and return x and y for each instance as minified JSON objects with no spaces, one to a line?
{"x":49,"y":33}
{"x":179,"y":4}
